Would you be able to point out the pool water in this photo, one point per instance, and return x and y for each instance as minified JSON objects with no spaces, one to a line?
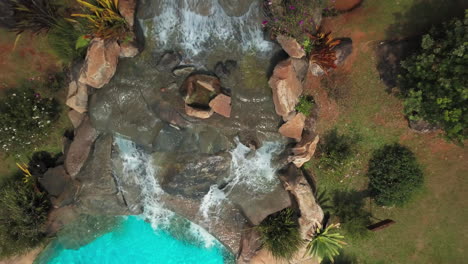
{"x":134,"y":242}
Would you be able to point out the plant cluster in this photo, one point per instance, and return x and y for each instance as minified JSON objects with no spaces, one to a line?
{"x":336,"y":149}
{"x":293,"y":18}
{"x":326,"y":243}
{"x":36,"y":16}
{"x":435,"y":83}
{"x":23,"y":215}
{"x":394,"y":175}
{"x":306,"y":105}
{"x":322,"y":51}
{"x":279,"y":233}
{"x":349,"y":208}
{"x":25,"y":116}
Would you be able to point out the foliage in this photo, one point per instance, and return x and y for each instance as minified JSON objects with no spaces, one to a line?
{"x":23,"y":215}
{"x":323,"y":51}
{"x":293,"y":18}
{"x":336,"y":149}
{"x":63,"y":39}
{"x":34,"y":15}
{"x":394,"y":175}
{"x":434,"y":83}
{"x":25,"y":118}
{"x":305,"y":105}
{"x":280,"y":234}
{"x":326,"y":243}
{"x":104,"y":20}
{"x":348,"y":207}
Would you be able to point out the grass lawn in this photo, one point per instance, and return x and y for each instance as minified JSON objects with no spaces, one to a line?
{"x":430,"y":229}
{"x":31,"y":59}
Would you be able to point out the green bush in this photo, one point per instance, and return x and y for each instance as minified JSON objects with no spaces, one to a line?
{"x":306,"y":105}
{"x":435,"y":83}
{"x":349,"y":208}
{"x":23,"y":214}
{"x":25,"y":118}
{"x":62,"y":39}
{"x":279,"y":233}
{"x":326,"y":243}
{"x":394,"y":175}
{"x":336,"y":149}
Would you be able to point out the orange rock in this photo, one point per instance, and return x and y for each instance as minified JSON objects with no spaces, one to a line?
{"x":293,"y":128}
{"x":221,"y":104}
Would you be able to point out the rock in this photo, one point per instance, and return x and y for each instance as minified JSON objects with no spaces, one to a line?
{"x":250,"y":244}
{"x":230,"y":65}
{"x":199,"y":89}
{"x":422,"y":126}
{"x":80,"y":147}
{"x":183,"y":70}
{"x":263,"y":256}
{"x":311,"y":212}
{"x":304,"y":150}
{"x":75,"y":117}
{"x":168,"y":61}
{"x":99,"y":193}
{"x":315,"y":69}
{"x":286,"y":88}
{"x":236,"y":8}
{"x":293,"y":128}
{"x":77,"y":98}
{"x":221,"y":104}
{"x":198,"y":113}
{"x":101,"y":63}
{"x":55,"y":180}
{"x":191,"y":175}
{"x":223,"y":70}
{"x":128,"y":50}
{"x":127,"y":10}
{"x":300,"y":67}
{"x":291,"y":46}
{"x":343,"y":50}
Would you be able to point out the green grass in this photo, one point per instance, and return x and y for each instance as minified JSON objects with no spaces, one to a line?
{"x":431,"y":227}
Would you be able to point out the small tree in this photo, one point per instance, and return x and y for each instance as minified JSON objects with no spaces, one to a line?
{"x":326,"y":243}
{"x":280,"y":234}
{"x":394,"y":175}
{"x":435,"y":84}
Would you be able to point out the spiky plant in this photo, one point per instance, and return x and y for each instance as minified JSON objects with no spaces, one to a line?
{"x":280,"y":234}
{"x":326,"y":243}
{"x":104,"y":19}
{"x":34,"y":15}
{"x":322,"y":52}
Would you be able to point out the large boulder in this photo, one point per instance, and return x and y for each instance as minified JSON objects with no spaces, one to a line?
{"x":221,"y":104}
{"x":293,"y":128}
{"x":236,"y":8}
{"x":101,"y":63}
{"x":80,"y":147}
{"x":55,"y":180}
{"x":199,"y":89}
{"x":291,"y":46}
{"x":75,"y":118}
{"x":127,"y":10}
{"x":250,"y":244}
{"x":128,"y":49}
{"x":198,"y":113}
{"x":286,"y":88}
{"x":168,"y":61}
{"x":304,"y":150}
{"x":77,"y":98}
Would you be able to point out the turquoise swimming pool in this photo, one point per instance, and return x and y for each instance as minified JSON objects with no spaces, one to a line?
{"x":134,"y":242}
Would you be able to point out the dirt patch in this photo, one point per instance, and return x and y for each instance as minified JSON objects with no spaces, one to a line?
{"x":347,"y":5}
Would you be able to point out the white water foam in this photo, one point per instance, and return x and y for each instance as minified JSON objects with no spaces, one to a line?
{"x":138,"y":165}
{"x":180,"y":24}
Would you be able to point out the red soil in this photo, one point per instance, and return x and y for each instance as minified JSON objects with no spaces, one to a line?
{"x":346,"y":5}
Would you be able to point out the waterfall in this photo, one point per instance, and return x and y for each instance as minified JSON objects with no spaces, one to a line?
{"x":138,"y":167}
{"x":197,"y":25}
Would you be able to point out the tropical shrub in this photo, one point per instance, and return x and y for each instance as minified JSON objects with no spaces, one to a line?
{"x":322,"y":51}
{"x":104,"y":19}
{"x":279,"y":233}
{"x":305,"y":105}
{"x":294,"y":18}
{"x":34,"y":15}
{"x":23,"y":214}
{"x":25,"y":118}
{"x":326,"y":243}
{"x":336,"y":149}
{"x":394,"y":175}
{"x":435,"y":83}
{"x":63,"y":38}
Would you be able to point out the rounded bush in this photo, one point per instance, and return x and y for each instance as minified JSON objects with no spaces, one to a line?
{"x":394,"y":175}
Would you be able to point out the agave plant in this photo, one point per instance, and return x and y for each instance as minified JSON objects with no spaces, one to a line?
{"x":34,"y":15}
{"x":326,"y":243}
{"x":322,"y":51}
{"x":104,"y":19}
{"x":280,"y":234}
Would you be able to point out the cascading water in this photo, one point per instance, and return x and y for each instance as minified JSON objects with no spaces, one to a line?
{"x":198,"y":25}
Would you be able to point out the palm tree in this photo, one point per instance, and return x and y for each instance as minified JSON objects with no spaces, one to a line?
{"x":326,"y":243}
